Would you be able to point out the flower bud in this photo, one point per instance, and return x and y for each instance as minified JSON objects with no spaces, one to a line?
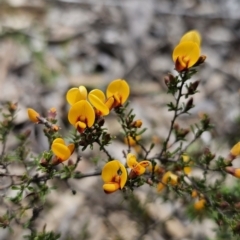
{"x":235,"y":151}
{"x":234,"y":171}
{"x":12,"y":107}
{"x":194,"y":193}
{"x":52,"y":113}
{"x":33,"y":115}
{"x":200,"y":204}
{"x":137,"y":123}
{"x":193,"y":87}
{"x":189,"y":105}
{"x":200,"y":60}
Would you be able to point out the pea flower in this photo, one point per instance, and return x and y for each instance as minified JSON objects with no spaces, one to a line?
{"x":33,"y":115}
{"x":130,"y":140}
{"x":187,"y":52}
{"x":200,"y":204}
{"x":98,"y":100}
{"x":81,"y":115}
{"x":114,"y":176}
{"x":61,"y":150}
{"x":168,"y":177}
{"x":118,"y":90}
{"x":186,"y":159}
{"x":75,"y":95}
{"x":137,"y":168}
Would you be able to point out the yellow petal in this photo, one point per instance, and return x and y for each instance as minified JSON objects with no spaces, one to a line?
{"x":119,"y":86}
{"x":97,"y":102}
{"x":110,"y":187}
{"x":33,"y":115}
{"x":187,"y":53}
{"x":235,"y":151}
{"x":99,"y":94}
{"x":81,"y":110}
{"x":131,"y":160}
{"x":58,"y":140}
{"x":109,"y":103}
{"x":192,"y":36}
{"x":61,"y":151}
{"x":76,"y":94}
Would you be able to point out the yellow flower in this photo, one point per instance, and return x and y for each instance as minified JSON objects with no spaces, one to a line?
{"x":117,"y":93}
{"x":76,"y":94}
{"x":168,"y":177}
{"x":200,"y":204}
{"x":33,"y":115}
{"x":130,"y":141}
{"x":194,"y":193}
{"x":186,"y":159}
{"x":187,"y":52}
{"x":185,"y":55}
{"x":97,"y":99}
{"x":192,"y":36}
{"x":235,"y":151}
{"x":137,"y":168}
{"x":61,"y":150}
{"x":81,"y":115}
{"x":114,"y":176}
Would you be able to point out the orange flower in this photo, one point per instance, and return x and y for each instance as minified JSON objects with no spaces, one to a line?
{"x":137,"y":168}
{"x":61,"y":150}
{"x":168,"y":177}
{"x":81,"y":115}
{"x":114,"y":176}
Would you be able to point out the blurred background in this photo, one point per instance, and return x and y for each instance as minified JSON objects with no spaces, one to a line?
{"x":47,"y":47}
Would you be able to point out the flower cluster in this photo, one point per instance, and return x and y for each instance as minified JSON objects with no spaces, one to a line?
{"x":187,"y":53}
{"x":87,"y":107}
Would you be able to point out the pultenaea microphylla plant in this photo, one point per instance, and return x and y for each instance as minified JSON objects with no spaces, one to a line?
{"x":169,"y":171}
